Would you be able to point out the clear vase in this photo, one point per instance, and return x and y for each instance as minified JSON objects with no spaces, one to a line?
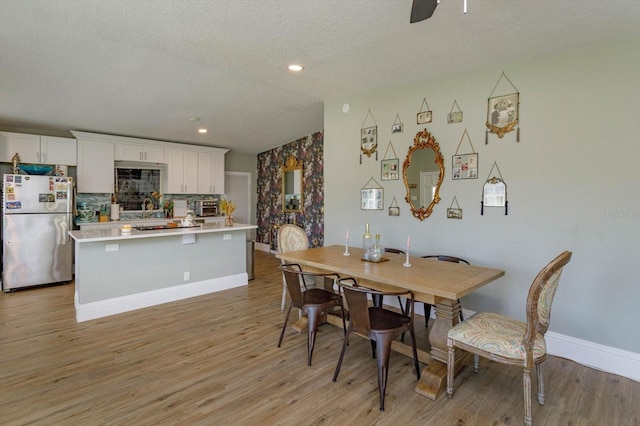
{"x":377,"y":250}
{"x":228,"y":221}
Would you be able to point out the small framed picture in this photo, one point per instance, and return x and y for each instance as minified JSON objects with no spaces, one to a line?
{"x":372,"y":199}
{"x":424,"y":117}
{"x":397,"y":128}
{"x":394,"y":211}
{"x":454,"y":117}
{"x":389,"y":169}
{"x":369,"y":140}
{"x":454,"y":213}
{"x":465,"y":166}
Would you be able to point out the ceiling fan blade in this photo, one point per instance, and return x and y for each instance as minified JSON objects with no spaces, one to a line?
{"x":422,"y":9}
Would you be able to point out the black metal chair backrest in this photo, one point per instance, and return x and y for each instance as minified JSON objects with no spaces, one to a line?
{"x":358,"y":304}
{"x":452,"y":259}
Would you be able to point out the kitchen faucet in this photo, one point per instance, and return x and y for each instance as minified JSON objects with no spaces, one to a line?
{"x":144,"y":205}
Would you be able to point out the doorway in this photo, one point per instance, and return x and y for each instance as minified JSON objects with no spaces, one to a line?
{"x":237,"y":188}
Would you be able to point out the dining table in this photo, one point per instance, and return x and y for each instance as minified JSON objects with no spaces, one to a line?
{"x":440,"y":284}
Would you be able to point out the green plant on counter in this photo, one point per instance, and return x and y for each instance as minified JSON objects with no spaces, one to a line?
{"x":167,"y":206}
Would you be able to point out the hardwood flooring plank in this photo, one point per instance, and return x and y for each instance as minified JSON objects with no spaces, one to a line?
{"x":213,"y":360}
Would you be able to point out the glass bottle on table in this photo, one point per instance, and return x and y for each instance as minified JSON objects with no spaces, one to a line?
{"x":377,"y":250}
{"x":367,"y":243}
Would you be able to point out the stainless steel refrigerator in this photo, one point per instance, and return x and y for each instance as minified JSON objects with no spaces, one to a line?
{"x":37,"y":214}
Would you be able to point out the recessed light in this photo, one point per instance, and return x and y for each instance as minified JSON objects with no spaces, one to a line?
{"x":295,"y":67}
{"x":202,"y":130}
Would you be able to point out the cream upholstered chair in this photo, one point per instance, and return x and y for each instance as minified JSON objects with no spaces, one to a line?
{"x":509,"y":341}
{"x":291,"y":238}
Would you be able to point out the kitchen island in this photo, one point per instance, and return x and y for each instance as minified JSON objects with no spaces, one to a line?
{"x":118,"y":271}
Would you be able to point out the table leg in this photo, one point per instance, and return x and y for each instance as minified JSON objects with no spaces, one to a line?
{"x":434,"y":376}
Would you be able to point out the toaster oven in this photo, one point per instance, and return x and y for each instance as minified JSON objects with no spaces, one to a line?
{"x":206,"y":208}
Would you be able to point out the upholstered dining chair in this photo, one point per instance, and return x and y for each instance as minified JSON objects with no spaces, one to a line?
{"x":291,"y":238}
{"x":380,"y":325}
{"x":510,"y":341}
{"x":312,"y":301}
{"x":453,"y":259}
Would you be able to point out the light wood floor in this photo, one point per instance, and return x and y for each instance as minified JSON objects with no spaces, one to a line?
{"x":213,"y":360}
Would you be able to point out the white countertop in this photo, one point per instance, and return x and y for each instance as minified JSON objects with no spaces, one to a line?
{"x":111,"y":234}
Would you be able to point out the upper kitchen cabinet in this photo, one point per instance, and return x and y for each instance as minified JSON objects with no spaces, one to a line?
{"x":37,"y":149}
{"x":95,"y":163}
{"x":144,"y":153}
{"x":211,"y":171}
{"x":182,"y":171}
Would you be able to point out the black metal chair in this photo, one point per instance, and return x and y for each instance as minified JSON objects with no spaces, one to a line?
{"x":313,"y":301}
{"x":380,"y":325}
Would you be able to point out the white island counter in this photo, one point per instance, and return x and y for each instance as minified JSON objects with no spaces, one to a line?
{"x":118,"y":272}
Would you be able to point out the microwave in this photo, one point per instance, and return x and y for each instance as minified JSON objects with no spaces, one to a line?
{"x":206,"y":208}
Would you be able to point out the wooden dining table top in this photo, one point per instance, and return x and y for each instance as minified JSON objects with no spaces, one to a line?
{"x":429,"y":279}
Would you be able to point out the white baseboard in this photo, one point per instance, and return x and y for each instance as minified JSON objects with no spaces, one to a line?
{"x":594,"y":355}
{"x":117,"y":305}
{"x":263,"y":247}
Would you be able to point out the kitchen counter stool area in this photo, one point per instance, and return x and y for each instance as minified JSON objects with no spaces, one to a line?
{"x":117,"y":272}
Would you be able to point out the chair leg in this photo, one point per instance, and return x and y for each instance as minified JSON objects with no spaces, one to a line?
{"x":415,"y":352}
{"x":344,"y":349}
{"x":383,"y":349}
{"x":284,"y":295}
{"x":526,"y":384}
{"x":476,"y":363}
{"x":540,"y":375}
{"x":284,"y":327}
{"x":312,"y":316}
{"x":403,"y":309}
{"x":427,"y":314}
{"x":451,"y":360}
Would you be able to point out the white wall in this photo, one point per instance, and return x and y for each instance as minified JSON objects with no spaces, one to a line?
{"x":572,"y":183}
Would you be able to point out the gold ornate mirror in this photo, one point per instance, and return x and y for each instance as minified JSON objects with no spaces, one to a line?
{"x":292,"y":201}
{"x":423,"y":173}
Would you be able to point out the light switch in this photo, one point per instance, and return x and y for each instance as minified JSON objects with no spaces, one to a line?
{"x":113,"y":247}
{"x":226,"y":237}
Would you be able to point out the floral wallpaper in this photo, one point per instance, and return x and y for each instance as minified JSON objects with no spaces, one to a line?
{"x":309,"y":150}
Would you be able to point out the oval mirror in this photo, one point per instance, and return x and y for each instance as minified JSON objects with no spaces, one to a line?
{"x":423,"y":173}
{"x":292,"y":186}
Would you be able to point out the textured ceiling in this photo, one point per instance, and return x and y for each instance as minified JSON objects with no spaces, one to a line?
{"x":142,"y":67}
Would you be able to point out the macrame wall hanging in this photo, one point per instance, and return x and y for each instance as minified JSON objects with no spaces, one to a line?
{"x":397,"y":126}
{"x":454,"y":213}
{"x":503,"y":112}
{"x":424,"y":116}
{"x":464,"y":166}
{"x":494,"y":192}
{"x":369,"y":138}
{"x":389,"y":167}
{"x":454,"y":116}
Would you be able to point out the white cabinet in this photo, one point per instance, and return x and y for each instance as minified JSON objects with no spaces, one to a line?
{"x":182,"y":171}
{"x":210,"y":172}
{"x":38,"y":149}
{"x":144,"y":153}
{"x":95,"y":166}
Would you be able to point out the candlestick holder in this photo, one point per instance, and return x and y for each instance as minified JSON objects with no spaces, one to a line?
{"x":346,"y":248}
{"x":406,"y":263}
